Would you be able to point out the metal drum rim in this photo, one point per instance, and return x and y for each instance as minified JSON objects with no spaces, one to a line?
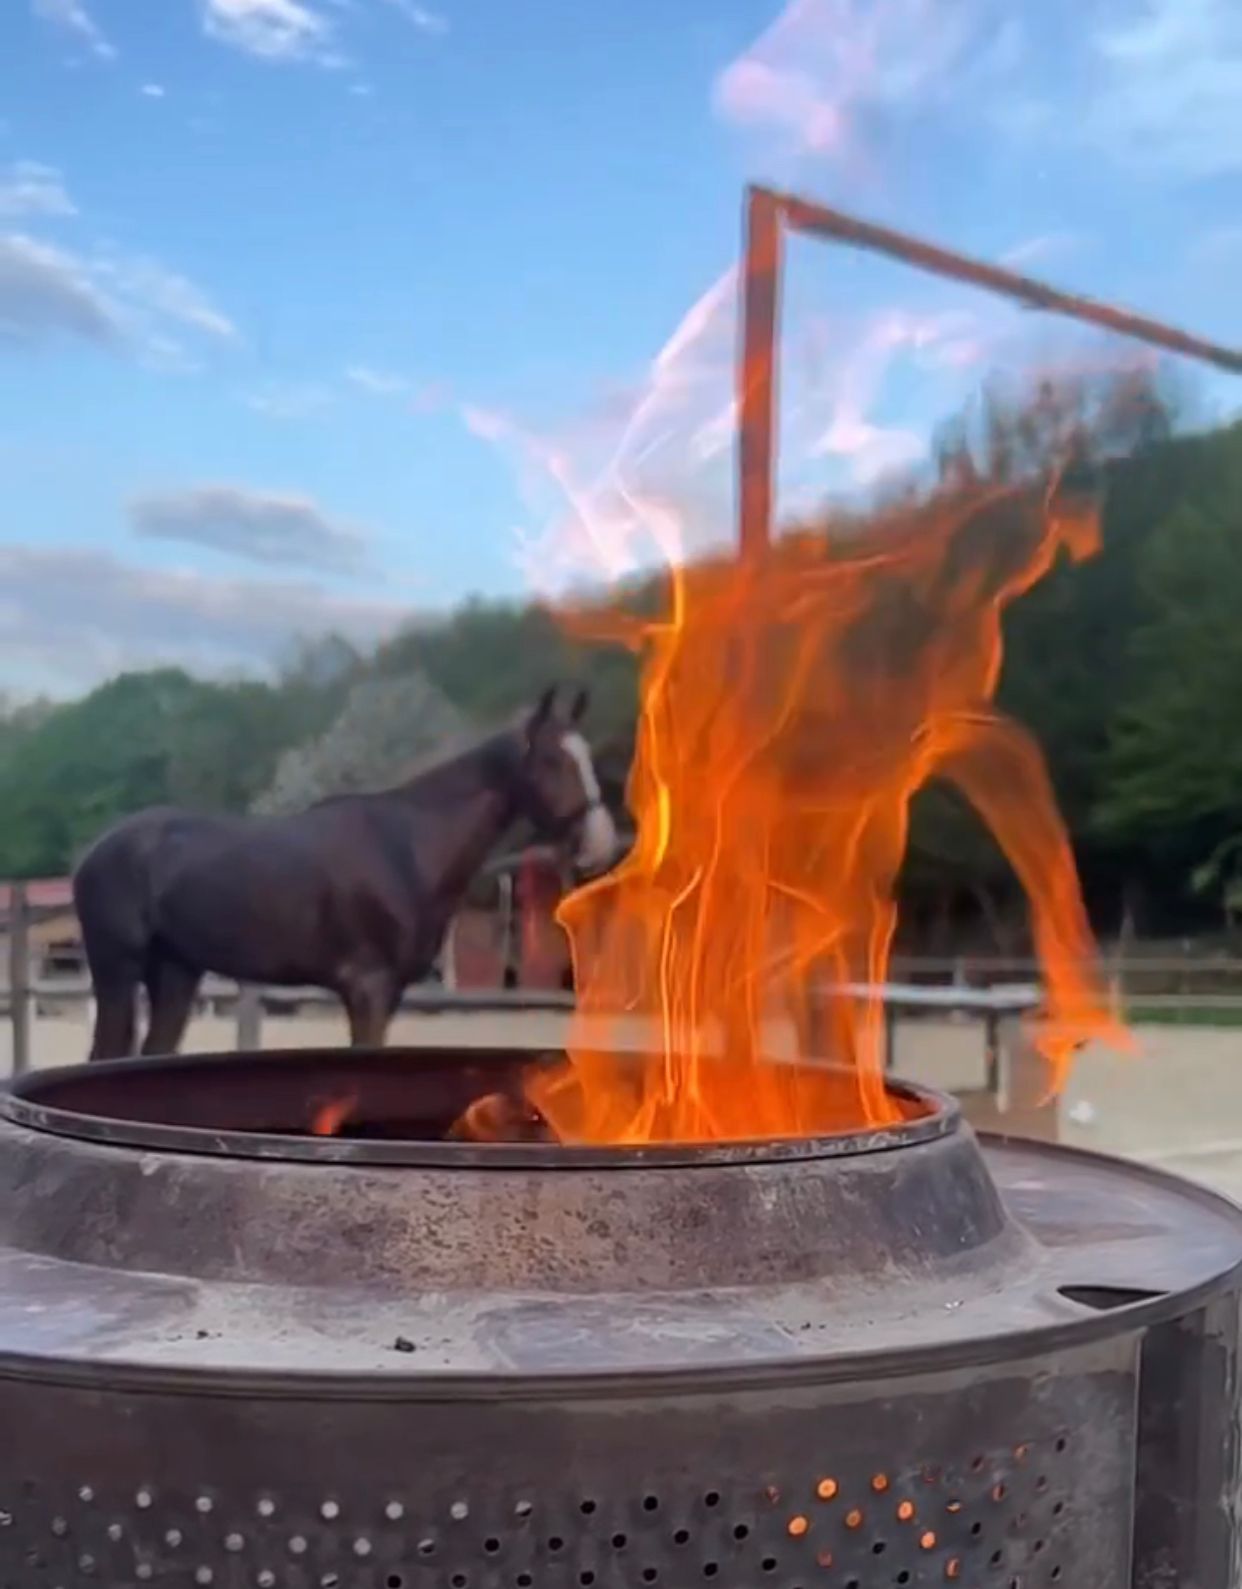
{"x":858,"y":1368}
{"x":941,"y":1117}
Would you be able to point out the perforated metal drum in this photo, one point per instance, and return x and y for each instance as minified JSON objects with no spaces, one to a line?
{"x":232,"y":1353}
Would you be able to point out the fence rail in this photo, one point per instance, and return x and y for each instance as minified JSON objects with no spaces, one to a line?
{"x":993,"y":990}
{"x":215,"y":992}
{"x":986,"y":967}
{"x":993,"y":1008}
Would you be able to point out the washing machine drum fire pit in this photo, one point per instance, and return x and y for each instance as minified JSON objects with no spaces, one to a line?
{"x":234,"y":1352}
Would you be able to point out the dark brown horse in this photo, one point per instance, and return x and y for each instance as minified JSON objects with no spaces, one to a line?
{"x":353,"y":895}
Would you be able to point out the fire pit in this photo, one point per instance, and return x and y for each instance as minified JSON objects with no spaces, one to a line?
{"x":237,"y":1353}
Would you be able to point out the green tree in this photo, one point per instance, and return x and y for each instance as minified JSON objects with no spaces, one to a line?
{"x":1174,"y":770}
{"x":386,"y":723}
{"x":493,"y":658}
{"x":142,"y":739}
{"x":85,"y":764}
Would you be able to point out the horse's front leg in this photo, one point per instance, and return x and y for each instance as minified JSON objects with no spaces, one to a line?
{"x":370,"y":997}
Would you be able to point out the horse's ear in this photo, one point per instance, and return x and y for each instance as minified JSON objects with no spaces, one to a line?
{"x":578,"y":710}
{"x":543,"y":711}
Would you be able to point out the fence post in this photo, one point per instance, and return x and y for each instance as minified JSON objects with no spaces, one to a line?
{"x":959,"y":981}
{"x":992,"y":1052}
{"x":249,"y":1019}
{"x":19,"y":976}
{"x":448,"y":958}
{"x":509,"y":947}
{"x":1117,"y":984}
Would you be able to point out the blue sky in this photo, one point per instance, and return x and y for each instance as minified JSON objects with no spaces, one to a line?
{"x":297,"y":296}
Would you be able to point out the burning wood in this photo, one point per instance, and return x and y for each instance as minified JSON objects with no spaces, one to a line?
{"x":501,"y":1117}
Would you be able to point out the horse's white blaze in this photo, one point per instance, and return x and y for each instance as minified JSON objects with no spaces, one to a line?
{"x":579,"y":752}
{"x":597,"y":842}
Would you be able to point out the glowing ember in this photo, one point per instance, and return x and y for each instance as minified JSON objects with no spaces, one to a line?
{"x":499,"y":1117}
{"x":791,"y":707}
{"x":329,"y":1117}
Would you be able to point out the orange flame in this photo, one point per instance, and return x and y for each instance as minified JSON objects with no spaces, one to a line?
{"x":791,"y":707}
{"x":329,"y":1117}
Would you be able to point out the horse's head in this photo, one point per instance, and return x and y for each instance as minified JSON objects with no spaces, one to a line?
{"x":556,"y":788}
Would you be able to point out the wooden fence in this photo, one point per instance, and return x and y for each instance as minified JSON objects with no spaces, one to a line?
{"x":990,"y":990}
{"x":994,"y":1009}
{"x":998,"y":1010}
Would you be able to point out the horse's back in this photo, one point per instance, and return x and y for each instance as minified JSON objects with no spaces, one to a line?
{"x":160,"y":847}
{"x":170,"y":887}
{"x":272,"y":899}
{"x":127,"y":851}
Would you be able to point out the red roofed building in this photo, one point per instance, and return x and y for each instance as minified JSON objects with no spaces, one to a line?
{"x":42,"y":893}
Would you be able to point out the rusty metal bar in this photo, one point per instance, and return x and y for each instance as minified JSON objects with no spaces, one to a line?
{"x":822,"y":221}
{"x":768,"y":212}
{"x":757,"y":369}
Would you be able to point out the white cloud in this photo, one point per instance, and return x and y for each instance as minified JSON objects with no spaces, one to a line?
{"x":28,"y":188}
{"x":852,"y":387}
{"x":1040,"y":250}
{"x":72,"y":615}
{"x":1154,"y":84}
{"x":73,"y":16}
{"x":161,"y":293}
{"x":380,"y":383}
{"x":303,"y":30}
{"x":872,"y":451}
{"x":47,"y":294}
{"x":753,"y":92}
{"x":259,"y":526}
{"x":153,"y":90}
{"x":420,"y":17}
{"x":288,"y":399}
{"x":1169,"y":99}
{"x":273,"y":30}
{"x":823,"y":66}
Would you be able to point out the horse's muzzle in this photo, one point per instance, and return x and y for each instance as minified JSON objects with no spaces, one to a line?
{"x":597,"y":840}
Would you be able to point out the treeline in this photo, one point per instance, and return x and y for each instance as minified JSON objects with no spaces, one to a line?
{"x":1128,"y":668}
{"x":333,"y":719}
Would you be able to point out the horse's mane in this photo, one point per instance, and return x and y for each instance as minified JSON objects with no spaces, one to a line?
{"x":458,"y":747}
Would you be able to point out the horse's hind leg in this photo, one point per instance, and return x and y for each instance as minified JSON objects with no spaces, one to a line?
{"x":114,"y":1019}
{"x":171,"y":986}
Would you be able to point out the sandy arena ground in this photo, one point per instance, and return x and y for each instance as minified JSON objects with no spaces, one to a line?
{"x":1177,"y":1104}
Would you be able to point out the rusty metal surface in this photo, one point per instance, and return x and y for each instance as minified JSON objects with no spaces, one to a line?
{"x":261,"y":1108}
{"x":905,"y":1360}
{"x":809,"y":216}
{"x":757,"y":370}
{"x":465,"y":1279}
{"x":1188,"y":1451}
{"x":768,"y":213}
{"x":1019,"y":1475}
